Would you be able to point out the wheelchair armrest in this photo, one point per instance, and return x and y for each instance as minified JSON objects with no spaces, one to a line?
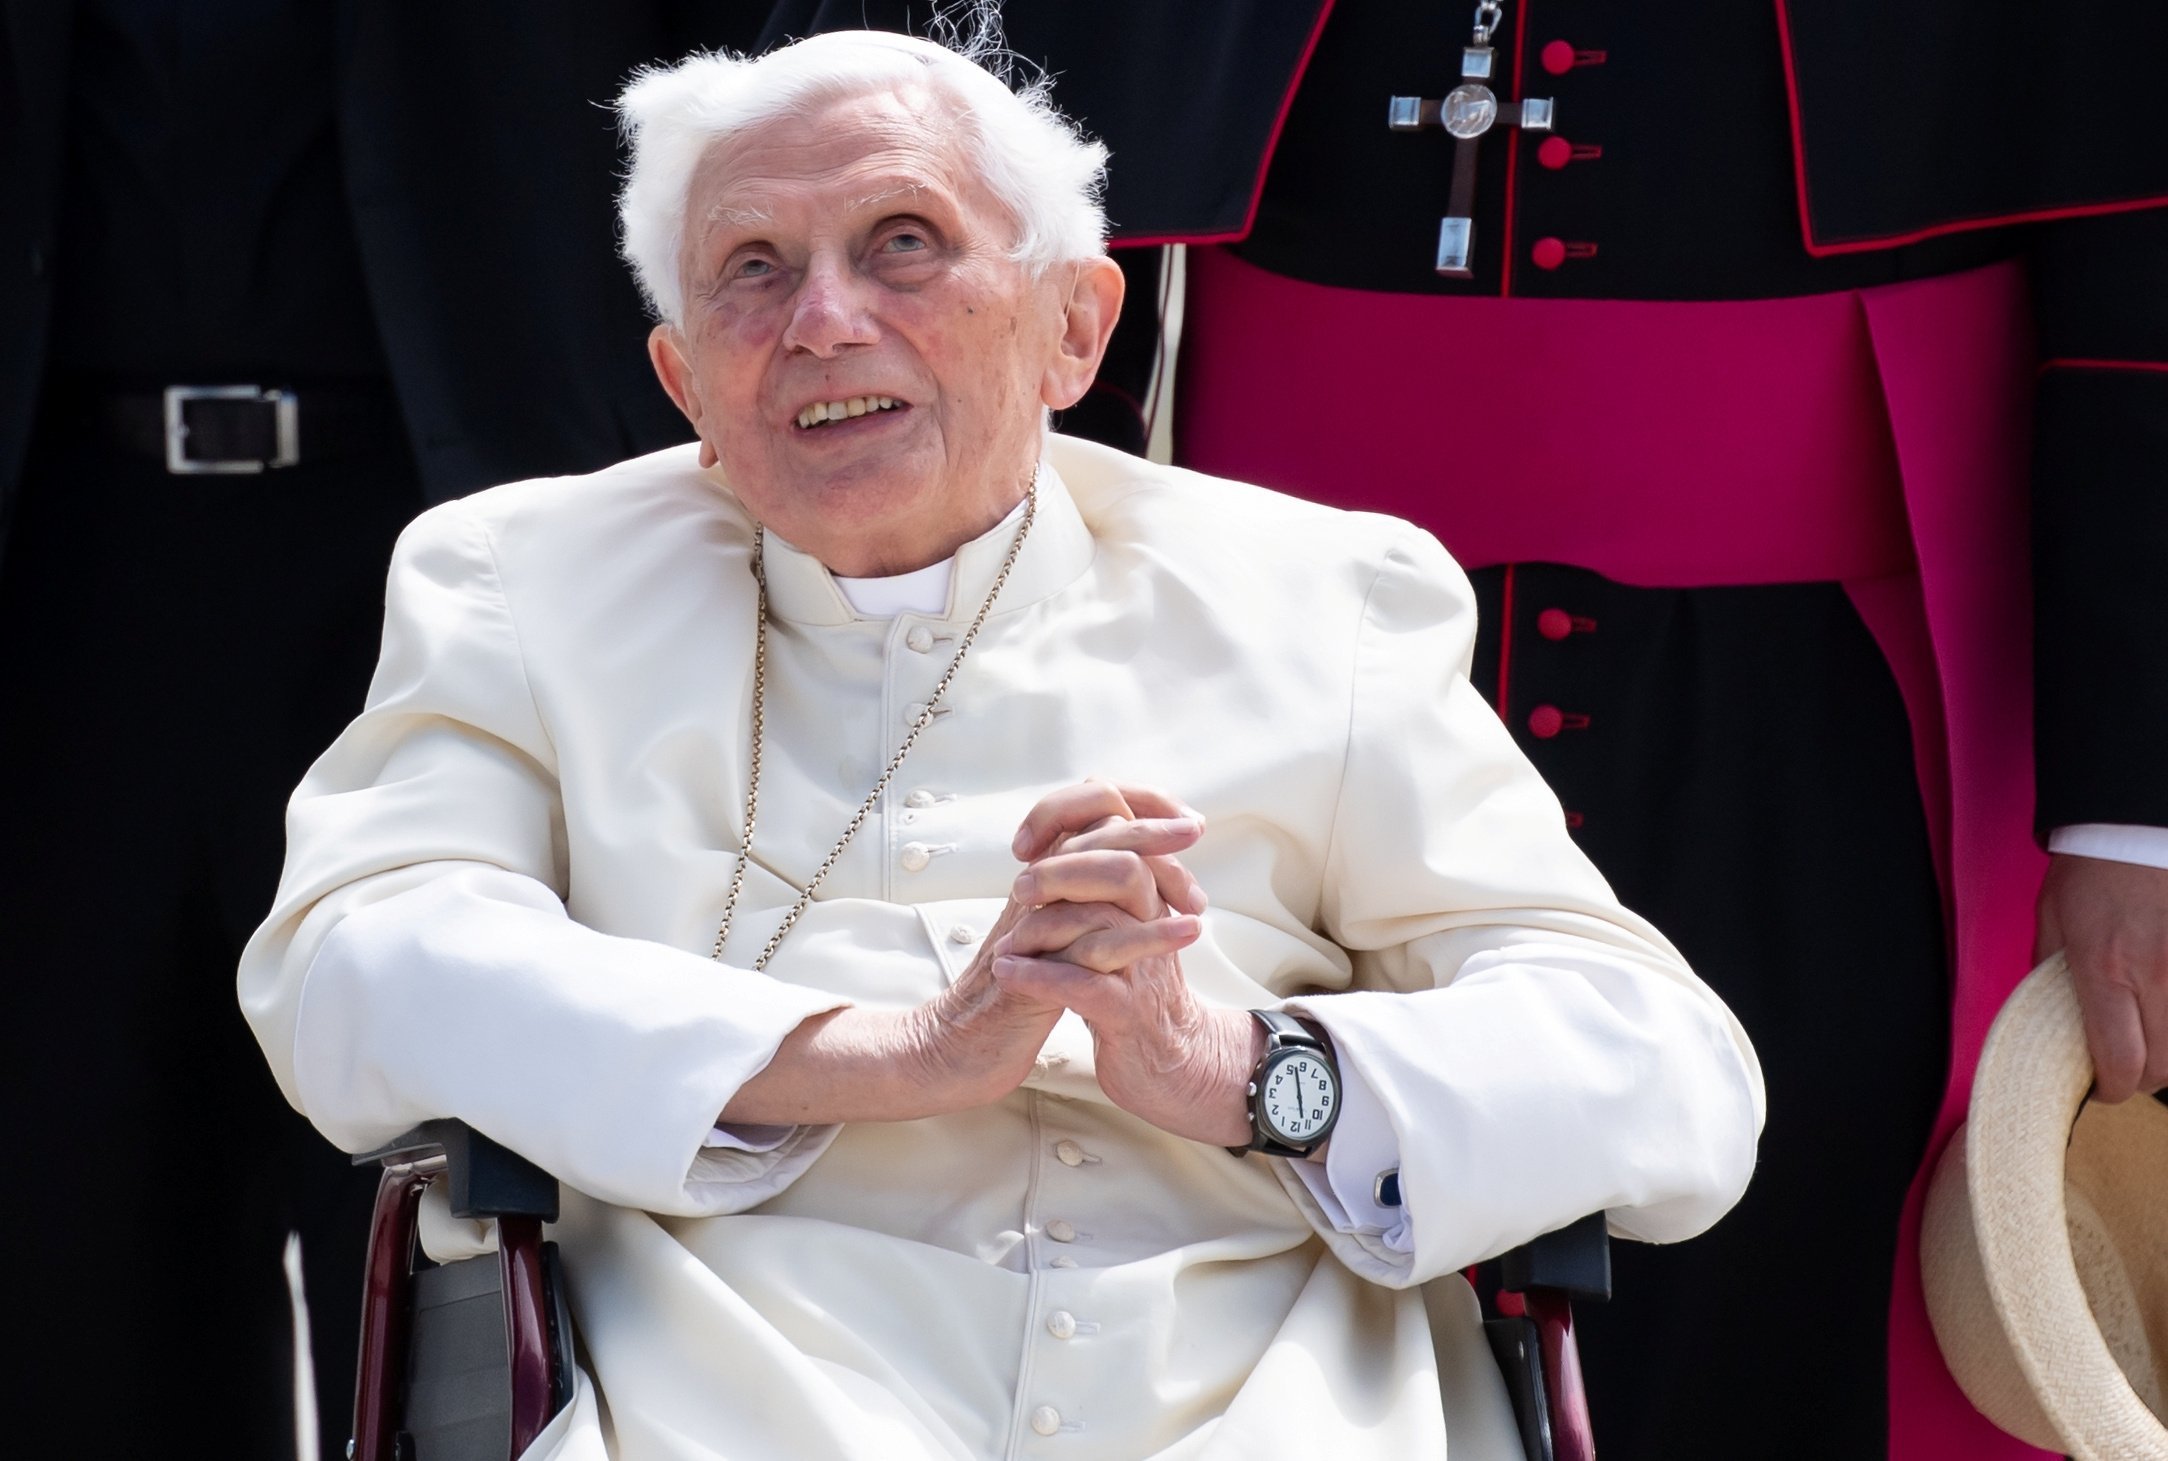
{"x":1533,"y":1338}
{"x":484,"y":1179}
{"x":1573,"y":1260}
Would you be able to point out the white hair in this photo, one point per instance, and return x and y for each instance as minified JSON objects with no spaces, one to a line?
{"x":1039,"y":167}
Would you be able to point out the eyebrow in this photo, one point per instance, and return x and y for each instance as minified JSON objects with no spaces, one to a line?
{"x":738,"y":217}
{"x":900,"y":190}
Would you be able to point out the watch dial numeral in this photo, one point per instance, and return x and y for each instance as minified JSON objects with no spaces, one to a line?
{"x":1298,"y":1096}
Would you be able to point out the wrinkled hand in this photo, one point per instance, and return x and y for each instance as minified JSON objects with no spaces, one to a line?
{"x":983,"y":1033}
{"x":1104,"y":938}
{"x":2111,"y":920}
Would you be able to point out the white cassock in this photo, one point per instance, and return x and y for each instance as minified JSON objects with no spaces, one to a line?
{"x":504,"y":878}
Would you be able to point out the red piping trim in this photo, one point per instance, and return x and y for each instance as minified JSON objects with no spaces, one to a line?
{"x":1264,"y":161}
{"x":1505,"y":641}
{"x":1287,"y":103}
{"x":1819,"y":250}
{"x":1799,"y":146}
{"x":2156,"y":366}
{"x":1162,"y":240}
{"x":1998,"y":220}
{"x":1513,"y":153}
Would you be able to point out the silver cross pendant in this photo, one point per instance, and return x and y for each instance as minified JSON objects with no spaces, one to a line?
{"x":1466,"y":112}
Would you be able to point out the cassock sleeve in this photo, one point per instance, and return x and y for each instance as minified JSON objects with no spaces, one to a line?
{"x":1536,"y":1052}
{"x":419,"y":961}
{"x":2100,"y":520}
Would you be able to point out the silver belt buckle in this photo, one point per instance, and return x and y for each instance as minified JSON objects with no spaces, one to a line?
{"x":285,"y":421}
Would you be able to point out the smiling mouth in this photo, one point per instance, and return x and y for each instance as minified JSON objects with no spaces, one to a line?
{"x":820,"y":413}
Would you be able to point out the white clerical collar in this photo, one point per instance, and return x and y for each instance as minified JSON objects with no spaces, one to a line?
{"x":801,"y":590}
{"x":921,"y":591}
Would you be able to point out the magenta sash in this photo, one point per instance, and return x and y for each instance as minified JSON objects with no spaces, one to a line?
{"x":1877,"y":438}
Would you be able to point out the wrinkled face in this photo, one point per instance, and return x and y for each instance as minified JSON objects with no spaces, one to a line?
{"x":858,"y":350}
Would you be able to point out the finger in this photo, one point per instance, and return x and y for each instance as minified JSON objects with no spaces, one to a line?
{"x":1048,"y":981}
{"x":1156,"y":840}
{"x":1097,"y":968}
{"x":2114,"y":1032}
{"x":1067,"y":810}
{"x":1122,"y":947}
{"x":1103,"y":824}
{"x":2153,"y":1016}
{"x":1073,"y":808}
{"x":1051,"y":929}
{"x":1103,"y":946}
{"x":1146,"y":801}
{"x":1137,"y":834}
{"x":2048,"y":936}
{"x":1120,"y":878}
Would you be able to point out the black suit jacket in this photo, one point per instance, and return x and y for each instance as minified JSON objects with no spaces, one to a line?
{"x":481,"y":162}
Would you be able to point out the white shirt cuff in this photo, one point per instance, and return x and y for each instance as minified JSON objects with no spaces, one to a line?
{"x":744,"y":1136}
{"x":2113,"y":842}
{"x":1362,"y":1149}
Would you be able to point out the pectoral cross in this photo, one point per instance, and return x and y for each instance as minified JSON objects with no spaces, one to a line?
{"x":1467,"y":112}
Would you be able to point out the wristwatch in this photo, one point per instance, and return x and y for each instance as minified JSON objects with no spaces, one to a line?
{"x":1295,"y":1090}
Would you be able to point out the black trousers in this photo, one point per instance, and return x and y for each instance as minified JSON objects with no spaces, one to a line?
{"x":175,"y":651}
{"x":1738,"y":763}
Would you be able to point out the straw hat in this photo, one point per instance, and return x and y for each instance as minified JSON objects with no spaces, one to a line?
{"x":2045,"y":1241}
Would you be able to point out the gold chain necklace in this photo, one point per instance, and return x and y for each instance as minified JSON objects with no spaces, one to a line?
{"x":873,"y":797}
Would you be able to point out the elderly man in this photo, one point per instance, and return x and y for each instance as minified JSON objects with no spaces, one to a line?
{"x":719,"y":835}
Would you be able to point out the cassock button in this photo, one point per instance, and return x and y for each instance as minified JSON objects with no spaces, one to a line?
{"x":962,"y":933}
{"x":1068,"y":1153}
{"x":1545,"y":721}
{"x":1061,"y":1324}
{"x":919,"y":640}
{"x":1548,"y":253}
{"x":917,"y":854}
{"x":1046,"y":1420}
{"x":1557,"y":57}
{"x":1554,"y":623}
{"x":1061,"y":1230}
{"x":920,"y":799}
{"x":1555,"y":153}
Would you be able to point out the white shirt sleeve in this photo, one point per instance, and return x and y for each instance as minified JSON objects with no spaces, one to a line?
{"x":2113,"y":842}
{"x":420,"y":961}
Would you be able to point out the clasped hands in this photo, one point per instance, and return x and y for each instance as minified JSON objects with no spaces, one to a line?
{"x":1094,"y":923}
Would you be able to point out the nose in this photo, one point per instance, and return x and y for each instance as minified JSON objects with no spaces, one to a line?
{"x":829,"y":314}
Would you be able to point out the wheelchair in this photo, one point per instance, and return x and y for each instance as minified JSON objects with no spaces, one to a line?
{"x":469,"y":1360}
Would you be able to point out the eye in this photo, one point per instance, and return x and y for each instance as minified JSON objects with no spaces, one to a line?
{"x":753,"y":269}
{"x":905,"y":242}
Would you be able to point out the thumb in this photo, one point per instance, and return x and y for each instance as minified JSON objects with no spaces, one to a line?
{"x":2048,"y":937}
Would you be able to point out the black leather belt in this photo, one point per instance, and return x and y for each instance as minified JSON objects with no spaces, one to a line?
{"x":232,"y":429}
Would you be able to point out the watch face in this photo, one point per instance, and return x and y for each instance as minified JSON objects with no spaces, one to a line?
{"x":1297,"y":1097}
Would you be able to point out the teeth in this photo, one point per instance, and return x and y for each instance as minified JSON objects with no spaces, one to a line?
{"x":824,"y":411}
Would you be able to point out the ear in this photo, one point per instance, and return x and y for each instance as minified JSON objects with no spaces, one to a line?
{"x":1095,"y":302}
{"x":666,"y":348}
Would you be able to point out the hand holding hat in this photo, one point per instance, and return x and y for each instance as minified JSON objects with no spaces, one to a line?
{"x":2045,"y":1241}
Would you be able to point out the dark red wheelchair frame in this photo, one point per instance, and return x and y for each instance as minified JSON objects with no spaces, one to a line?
{"x":1531,"y":1334}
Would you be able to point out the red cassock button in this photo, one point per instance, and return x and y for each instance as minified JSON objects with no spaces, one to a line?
{"x":1554,"y":623}
{"x":1546,"y":721}
{"x":1555,"y":153}
{"x":1548,"y":253}
{"x":1558,"y":57}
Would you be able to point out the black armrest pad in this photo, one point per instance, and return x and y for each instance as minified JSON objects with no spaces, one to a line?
{"x":1575,"y":1259}
{"x":487,"y":1180}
